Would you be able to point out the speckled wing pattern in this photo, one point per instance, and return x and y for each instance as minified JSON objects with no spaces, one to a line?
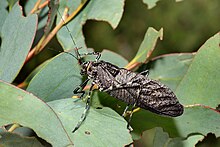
{"x":138,"y":89}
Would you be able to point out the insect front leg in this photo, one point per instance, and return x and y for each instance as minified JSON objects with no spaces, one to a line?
{"x":84,"y":114}
{"x":97,"y":54}
{"x":80,"y":88}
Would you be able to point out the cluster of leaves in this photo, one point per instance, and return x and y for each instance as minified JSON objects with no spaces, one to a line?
{"x":46,"y":108}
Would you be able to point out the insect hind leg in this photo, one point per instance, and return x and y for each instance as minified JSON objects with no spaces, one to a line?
{"x":130,"y":116}
{"x":84,"y":114}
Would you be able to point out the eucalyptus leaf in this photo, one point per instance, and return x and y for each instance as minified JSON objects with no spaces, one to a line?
{"x":18,"y":106}
{"x":56,"y":79}
{"x":102,"y":127}
{"x":12,"y":139}
{"x":110,"y":11}
{"x":15,"y":45}
{"x":147,"y":46}
{"x":200,"y":84}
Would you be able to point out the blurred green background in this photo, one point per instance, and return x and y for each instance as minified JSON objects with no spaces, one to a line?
{"x":187,"y":25}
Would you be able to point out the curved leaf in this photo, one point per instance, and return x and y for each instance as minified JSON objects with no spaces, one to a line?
{"x":200,"y":85}
{"x":56,"y":79}
{"x":3,"y":13}
{"x":180,"y":126}
{"x":102,"y":127}
{"x":152,"y":3}
{"x":13,"y":53}
{"x":157,"y":137}
{"x":12,"y":139}
{"x":18,"y":106}
{"x":169,"y":69}
{"x":147,"y":46}
{"x":113,"y":58}
{"x":110,"y":11}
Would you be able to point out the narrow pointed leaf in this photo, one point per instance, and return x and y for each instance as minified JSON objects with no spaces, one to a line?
{"x":147,"y":46}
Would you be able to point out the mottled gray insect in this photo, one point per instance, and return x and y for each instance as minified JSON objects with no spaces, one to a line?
{"x":135,"y":89}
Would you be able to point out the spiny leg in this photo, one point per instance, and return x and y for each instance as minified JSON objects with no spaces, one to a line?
{"x":130,"y":116}
{"x":79,"y":89}
{"x":125,"y":111}
{"x":98,"y":55}
{"x":84,"y":114}
{"x":144,"y":73}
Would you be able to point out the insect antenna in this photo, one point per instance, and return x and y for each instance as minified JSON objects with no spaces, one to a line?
{"x":63,"y":52}
{"x":78,"y":57}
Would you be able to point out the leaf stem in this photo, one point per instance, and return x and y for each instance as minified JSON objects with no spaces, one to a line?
{"x":45,"y":39}
{"x":36,"y":7}
{"x":13,"y":127}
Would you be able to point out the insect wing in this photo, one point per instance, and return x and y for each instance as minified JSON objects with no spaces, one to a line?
{"x":159,"y":99}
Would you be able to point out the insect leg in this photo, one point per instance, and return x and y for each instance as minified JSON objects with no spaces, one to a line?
{"x":97,"y":54}
{"x":130,"y":116}
{"x":126,"y":108}
{"x":144,"y":73}
{"x":79,"y":89}
{"x":83,"y":116}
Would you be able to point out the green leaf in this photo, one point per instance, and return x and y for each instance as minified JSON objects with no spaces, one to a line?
{"x":113,"y":58}
{"x":11,"y":3}
{"x":181,"y":126}
{"x":200,"y":85}
{"x":53,"y":8}
{"x":15,"y":45}
{"x":154,"y":137}
{"x":169,"y":69}
{"x":11,"y":139}
{"x":157,"y":137}
{"x":102,"y":127}
{"x":56,"y":79}
{"x":147,"y":46}
{"x":3,"y":13}
{"x":152,"y":3}
{"x":109,"y":11}
{"x":42,"y":16}
{"x":18,"y":106}
{"x":192,"y":140}
{"x":3,"y":4}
